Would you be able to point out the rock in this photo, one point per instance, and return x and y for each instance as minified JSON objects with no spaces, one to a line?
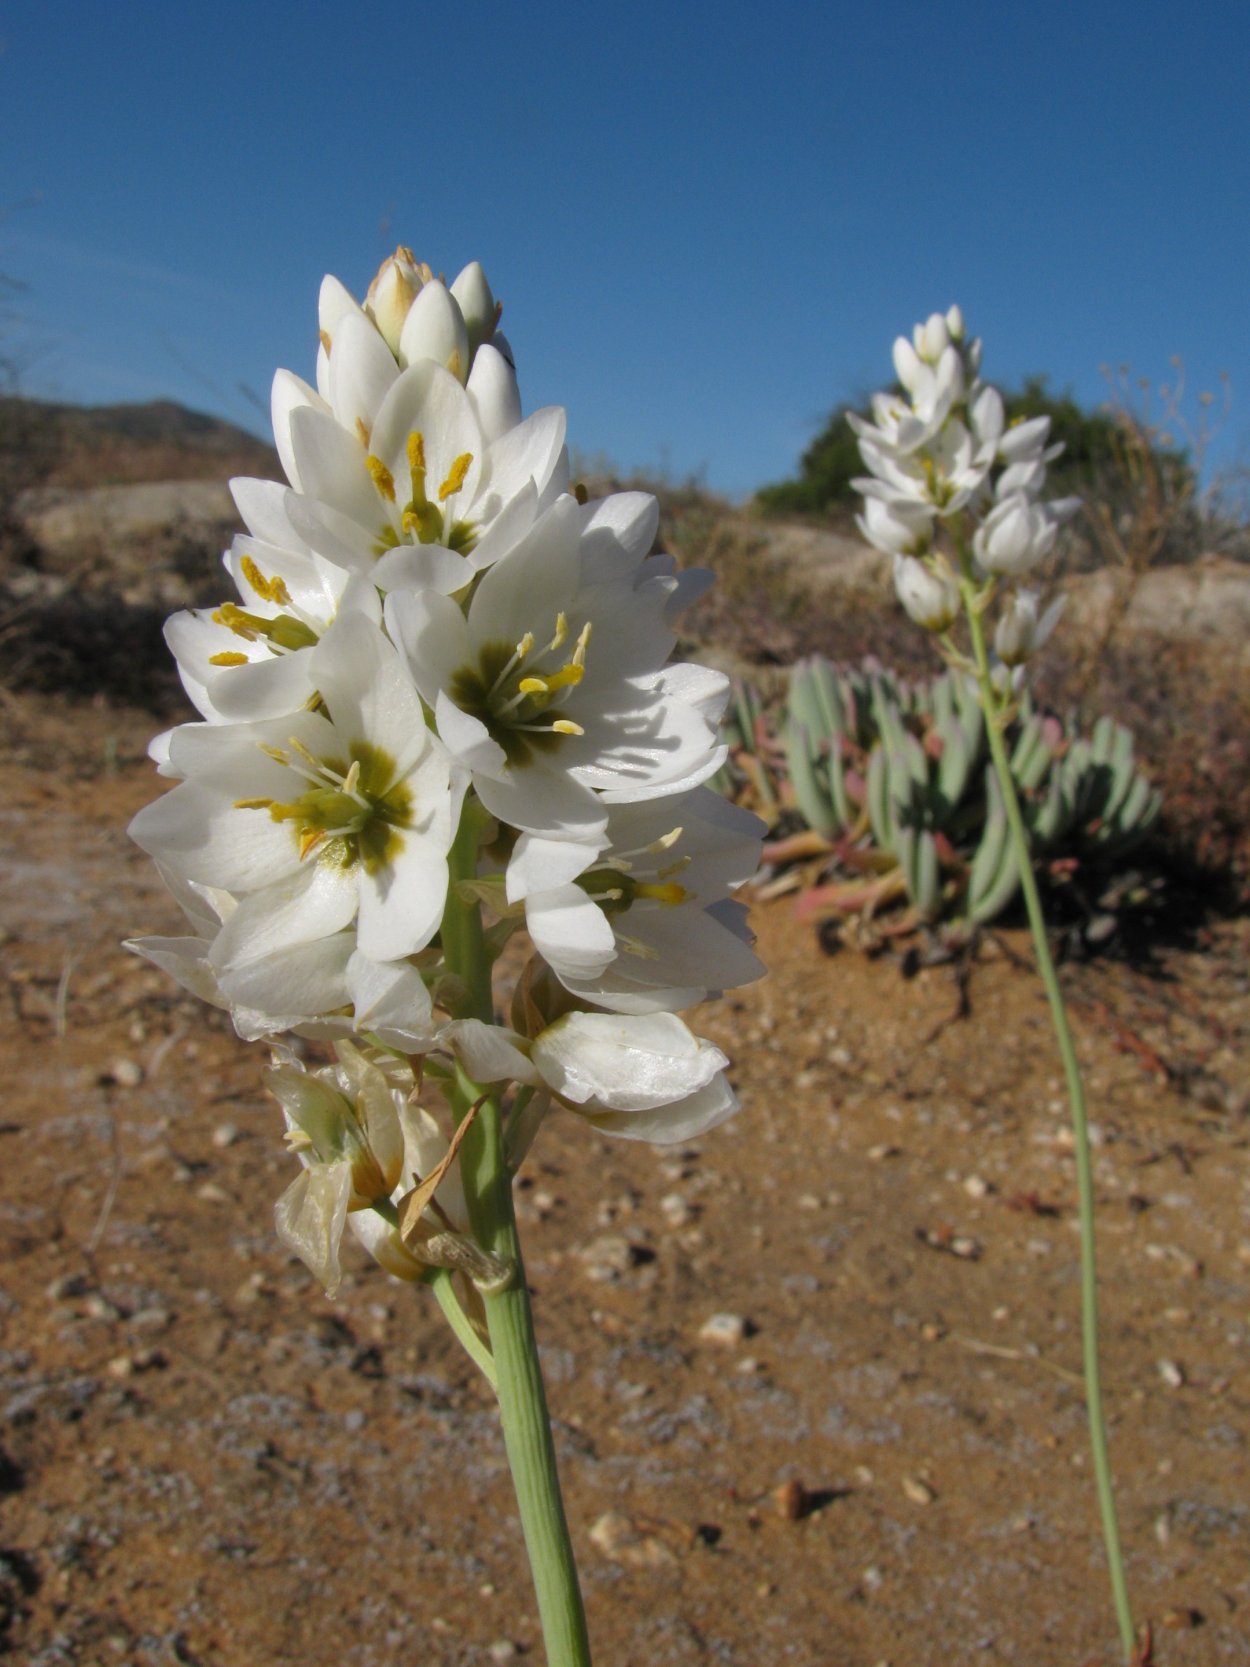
{"x":503,"y":1649}
{"x":68,"y":1285}
{"x":918,"y":1490}
{"x":726,"y":1329}
{"x":622,"y":1540}
{"x":225,"y":1134}
{"x":608,"y":1257}
{"x":126,"y":1073}
{"x":675,"y":1210}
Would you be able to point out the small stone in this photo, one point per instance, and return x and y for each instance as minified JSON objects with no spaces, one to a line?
{"x":932,"y":1332}
{"x":726,"y":1329}
{"x":151,"y":1319}
{"x":747,"y":1365}
{"x":918,"y":1491}
{"x":621,"y":1540}
{"x":878,"y":1154}
{"x":99,"y":1307}
{"x":503,"y":1649}
{"x":976,"y":1186}
{"x":1172,"y":1374}
{"x":675,"y":1210}
{"x":126,"y":1073}
{"x":1180,"y":1620}
{"x":607,"y":1258}
{"x":68,"y":1285}
{"x":791,"y":1501}
{"x":211,"y":1193}
{"x":808,"y":1201}
{"x":225,"y":1134}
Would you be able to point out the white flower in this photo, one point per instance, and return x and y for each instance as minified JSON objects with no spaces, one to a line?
{"x":929,"y":594}
{"x":893,"y":523}
{"x":552,"y":688}
{"x":1020,"y":632}
{"x":643,"y":1077}
{"x":1014,"y":537}
{"x":648,"y":925}
{"x":319,"y":820}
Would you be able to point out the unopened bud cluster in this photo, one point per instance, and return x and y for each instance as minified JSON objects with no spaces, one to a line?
{"x":944,"y":460}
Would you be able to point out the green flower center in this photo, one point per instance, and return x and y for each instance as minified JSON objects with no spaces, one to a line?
{"x":351,"y":812}
{"x":512,"y":691}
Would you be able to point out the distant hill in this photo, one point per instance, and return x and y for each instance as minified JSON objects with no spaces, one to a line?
{"x":107,"y":445}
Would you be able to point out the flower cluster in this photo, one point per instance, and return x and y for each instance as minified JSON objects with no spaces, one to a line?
{"x":436,"y":641}
{"x":943,"y":456}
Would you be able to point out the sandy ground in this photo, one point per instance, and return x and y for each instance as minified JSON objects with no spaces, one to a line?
{"x":878,"y":1458}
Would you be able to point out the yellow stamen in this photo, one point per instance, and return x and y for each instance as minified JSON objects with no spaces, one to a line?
{"x":234,"y":619}
{"x":276,"y":753}
{"x":678,"y":867}
{"x":301,"y":751}
{"x":252,"y":804}
{"x":381,"y":476}
{"x":455,"y":476}
{"x":583,"y":643}
{"x":362,"y":432}
{"x":269,"y":590}
{"x":416,"y":452}
{"x":227,"y":659}
{"x":351,"y":781}
{"x":309,"y":840}
{"x":561,"y":632}
{"x":534,"y":686}
{"x":525,"y":645}
{"x":325,"y":339}
{"x":566,"y":726}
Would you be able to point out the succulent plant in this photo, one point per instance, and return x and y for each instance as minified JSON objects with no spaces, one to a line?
{"x":893,"y":781}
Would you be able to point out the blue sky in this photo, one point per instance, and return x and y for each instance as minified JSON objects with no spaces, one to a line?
{"x":707,"y":223}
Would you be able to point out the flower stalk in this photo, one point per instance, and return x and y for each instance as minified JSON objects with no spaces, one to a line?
{"x":995,"y":706}
{"x":517,"y":1376}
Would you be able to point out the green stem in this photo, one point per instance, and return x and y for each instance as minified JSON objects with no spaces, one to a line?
{"x":1076,"y":1098}
{"x":441,"y":1283}
{"x":487,"y":1184}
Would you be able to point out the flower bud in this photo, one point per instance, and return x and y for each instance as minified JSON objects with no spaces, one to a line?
{"x":899,"y":527}
{"x":399,"y":281}
{"x":933,"y":338}
{"x":481,"y":311}
{"x":955,"y":323}
{"x":1020,"y":632}
{"x":930,"y":597}
{"x":1015,"y":536}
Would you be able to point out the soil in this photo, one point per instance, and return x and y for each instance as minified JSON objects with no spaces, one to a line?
{"x":877,"y":1455}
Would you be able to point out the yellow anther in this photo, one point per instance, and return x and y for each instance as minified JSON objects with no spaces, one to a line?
{"x":227,"y":659}
{"x":351,"y":781}
{"x":302,"y":752}
{"x":455,"y":476}
{"x":309,"y":840}
{"x":665,"y":842}
{"x":566,"y":726}
{"x":325,"y":339}
{"x":297,"y":1140}
{"x":534,"y":686}
{"x":381,"y":476}
{"x":234,"y":619}
{"x":416,"y":452}
{"x":583,"y":643}
{"x":276,"y":753}
{"x":568,"y":677}
{"x":252,"y":804}
{"x":269,"y":590}
{"x":670,"y":893}
{"x":562,"y":631}
{"x":525,"y":645}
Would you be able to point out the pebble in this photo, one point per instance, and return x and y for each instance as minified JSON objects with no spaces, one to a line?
{"x":126,"y":1073}
{"x":976,"y":1186}
{"x":67,"y":1285}
{"x":211,"y":1193}
{"x":503,"y":1649}
{"x":1172,"y":1374}
{"x":151,"y":1319}
{"x":918,"y":1491}
{"x":675,"y":1210}
{"x":605,"y":1259}
{"x":99,"y":1307}
{"x":728,"y":1329}
{"x":225,"y":1134}
{"x":621,"y":1540}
